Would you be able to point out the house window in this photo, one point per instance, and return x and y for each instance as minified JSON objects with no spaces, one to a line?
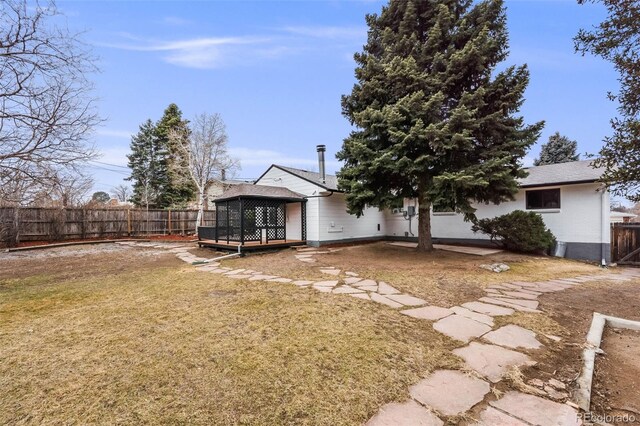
{"x":543,"y":199}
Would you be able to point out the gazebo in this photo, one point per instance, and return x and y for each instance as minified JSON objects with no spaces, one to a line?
{"x":252,"y":217}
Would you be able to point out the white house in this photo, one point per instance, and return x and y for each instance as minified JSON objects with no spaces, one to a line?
{"x":568,"y":196}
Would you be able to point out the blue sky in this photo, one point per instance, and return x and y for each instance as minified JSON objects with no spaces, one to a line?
{"x":275,"y":71}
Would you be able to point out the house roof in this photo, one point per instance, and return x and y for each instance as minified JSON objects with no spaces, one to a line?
{"x":249,"y":190}
{"x":622,"y":214}
{"x":330,"y":183}
{"x":572,"y":172}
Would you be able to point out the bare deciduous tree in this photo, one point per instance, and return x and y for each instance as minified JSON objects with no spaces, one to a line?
{"x":70,"y":189}
{"x":121,"y":193}
{"x":47,"y":108}
{"x":207,"y":153}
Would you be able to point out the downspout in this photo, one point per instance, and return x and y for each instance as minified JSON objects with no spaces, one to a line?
{"x":603,"y":227}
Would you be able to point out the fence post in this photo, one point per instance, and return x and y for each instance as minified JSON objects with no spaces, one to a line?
{"x":129,"y":222}
{"x":169,"y":221}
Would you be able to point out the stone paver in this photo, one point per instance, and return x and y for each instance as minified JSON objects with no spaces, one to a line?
{"x":513,"y":336}
{"x":302,"y":283}
{"x":490,"y":360}
{"x":260,"y":277}
{"x":351,"y":274}
{"x":409,"y":413}
{"x":461,"y":328}
{"x":487,"y":309}
{"x":352,"y":280}
{"x":407,"y":300}
{"x":330,"y":271}
{"x":506,"y":304}
{"x":521,"y":295}
{"x":492,"y":417}
{"x":326,"y":284}
{"x":385,"y":301}
{"x":322,"y":289}
{"x":366,"y":282}
{"x":485,"y":319}
{"x":345,"y":289}
{"x":384,"y":288}
{"x":280,"y":280}
{"x":363,"y":296}
{"x":449,"y":392}
{"x":430,"y":313}
{"x":235,"y":272}
{"x":535,"y":410}
{"x":531,"y":304}
{"x":239,"y":276}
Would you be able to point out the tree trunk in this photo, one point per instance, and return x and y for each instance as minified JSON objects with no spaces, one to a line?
{"x":424,"y":221}
{"x":201,"y":196}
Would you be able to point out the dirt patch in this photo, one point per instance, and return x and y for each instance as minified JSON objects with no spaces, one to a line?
{"x":172,"y":238}
{"x":616,"y":385}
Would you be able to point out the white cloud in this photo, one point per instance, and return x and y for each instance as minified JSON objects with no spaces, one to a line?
{"x":176,"y":21}
{"x":114,"y":155}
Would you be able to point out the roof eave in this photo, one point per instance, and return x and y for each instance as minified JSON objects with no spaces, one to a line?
{"x":573,"y":182}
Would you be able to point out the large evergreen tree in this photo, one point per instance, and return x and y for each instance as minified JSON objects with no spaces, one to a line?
{"x":181,"y":189}
{"x":434,"y":120}
{"x":148,"y":164}
{"x":617,"y":39}
{"x":559,"y":149}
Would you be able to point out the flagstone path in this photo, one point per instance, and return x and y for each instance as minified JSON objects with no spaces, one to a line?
{"x":488,"y":353}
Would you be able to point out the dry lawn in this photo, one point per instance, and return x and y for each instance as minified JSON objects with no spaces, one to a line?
{"x":124,"y":337}
{"x":442,"y":278}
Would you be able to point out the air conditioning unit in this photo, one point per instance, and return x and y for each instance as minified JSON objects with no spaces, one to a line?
{"x":397,"y":210}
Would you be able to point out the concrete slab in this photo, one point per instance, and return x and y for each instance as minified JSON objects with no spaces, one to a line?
{"x":384,"y":300}
{"x":484,"y":319}
{"x":507,"y":304}
{"x":449,"y":392}
{"x":487,"y":309}
{"x":429,"y":313}
{"x":476,"y":251}
{"x":384,"y":288}
{"x":537,"y":411}
{"x":513,"y":336}
{"x":461,"y":328}
{"x":491,"y":361}
{"x":407,"y":300}
{"x":492,"y":417}
{"x":408,"y":413}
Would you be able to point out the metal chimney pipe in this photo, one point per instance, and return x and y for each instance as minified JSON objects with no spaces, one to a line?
{"x":321,"y":149}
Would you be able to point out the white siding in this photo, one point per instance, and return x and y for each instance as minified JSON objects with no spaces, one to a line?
{"x":278,"y":177}
{"x":579,"y":219}
{"x":337,"y":224}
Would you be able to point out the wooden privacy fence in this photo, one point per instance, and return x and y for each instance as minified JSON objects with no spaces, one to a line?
{"x":625,"y":243}
{"x":54,"y":224}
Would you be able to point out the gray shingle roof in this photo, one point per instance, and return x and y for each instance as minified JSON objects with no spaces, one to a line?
{"x":259,"y":191}
{"x":562,"y":173}
{"x":331,"y":181}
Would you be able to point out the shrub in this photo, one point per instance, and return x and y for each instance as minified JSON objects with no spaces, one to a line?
{"x":517,"y":231}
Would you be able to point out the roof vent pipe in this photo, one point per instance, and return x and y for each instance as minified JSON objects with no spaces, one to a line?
{"x":321,"y":149}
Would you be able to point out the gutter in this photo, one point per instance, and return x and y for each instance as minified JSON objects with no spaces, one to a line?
{"x":603,"y":227}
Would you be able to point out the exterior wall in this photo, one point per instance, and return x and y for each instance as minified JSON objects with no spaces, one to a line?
{"x":578,"y":222}
{"x":336,"y":224}
{"x":277,"y":177}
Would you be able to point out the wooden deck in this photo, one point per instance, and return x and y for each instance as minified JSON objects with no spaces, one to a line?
{"x":250,"y":245}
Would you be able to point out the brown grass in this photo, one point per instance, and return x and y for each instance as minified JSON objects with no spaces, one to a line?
{"x":173,"y":345}
{"x":442,"y":278}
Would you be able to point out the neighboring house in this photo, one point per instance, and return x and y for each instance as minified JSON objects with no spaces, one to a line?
{"x":568,"y":196}
{"x":216,"y":188}
{"x":621,"y":217}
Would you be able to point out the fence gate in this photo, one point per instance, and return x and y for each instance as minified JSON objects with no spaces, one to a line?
{"x":625,"y":243}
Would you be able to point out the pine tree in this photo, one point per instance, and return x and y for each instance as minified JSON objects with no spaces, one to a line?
{"x":434,"y":120}
{"x":617,"y":40}
{"x":559,"y":149}
{"x":148,"y":164}
{"x":181,"y":189}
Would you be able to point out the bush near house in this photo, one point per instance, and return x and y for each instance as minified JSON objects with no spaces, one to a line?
{"x":517,"y":231}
